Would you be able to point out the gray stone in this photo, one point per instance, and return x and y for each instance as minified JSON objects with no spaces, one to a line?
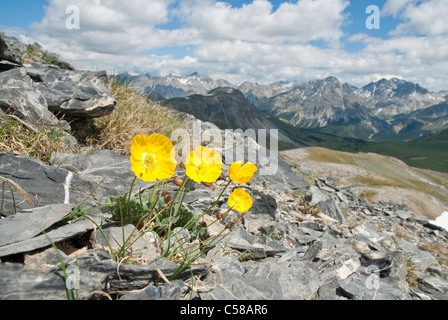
{"x":199,"y":196}
{"x":230,"y":286}
{"x":260,"y":224}
{"x":263,"y":204}
{"x":180,"y":241}
{"x":6,"y":65}
{"x":422,"y":259}
{"x":45,"y":185}
{"x":134,"y":243}
{"x":315,"y":196}
{"x":256,"y":251}
{"x":178,"y":290}
{"x":27,"y":104}
{"x":78,"y":94}
{"x":313,"y":251}
{"x":331,"y":209}
{"x":292,"y":254}
{"x":360,"y":287}
{"x":19,"y":283}
{"x":294,"y":280}
{"x":404,"y":215}
{"x":297,"y":280}
{"x":419,"y":294}
{"x":329,"y":291}
{"x":342,"y":197}
{"x":391,"y":269}
{"x":229,"y":264}
{"x":11,"y":49}
{"x":27,"y":224}
{"x":44,"y":241}
{"x":347,"y":268}
{"x":107,"y":168}
{"x":367,"y":231}
{"x":428,"y":282}
{"x":273,"y":249}
{"x":47,"y":91}
{"x":305,"y":239}
{"x":97,"y":271}
{"x":44,"y":261}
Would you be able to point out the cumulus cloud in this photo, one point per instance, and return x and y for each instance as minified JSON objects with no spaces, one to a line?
{"x":303,"y":21}
{"x":424,"y":18}
{"x":110,"y":26}
{"x":254,"y":42}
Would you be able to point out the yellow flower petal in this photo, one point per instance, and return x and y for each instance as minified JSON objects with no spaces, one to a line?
{"x":203,"y":165}
{"x":151,"y":157}
{"x":240,"y":200}
{"x":242,"y":174}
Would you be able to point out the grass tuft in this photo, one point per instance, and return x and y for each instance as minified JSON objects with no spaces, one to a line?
{"x":20,"y":137}
{"x":133,"y":115}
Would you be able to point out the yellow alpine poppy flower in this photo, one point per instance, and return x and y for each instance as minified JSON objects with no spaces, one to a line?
{"x":242,"y":174}
{"x":151,"y":157}
{"x":203,"y":165}
{"x":240,"y":200}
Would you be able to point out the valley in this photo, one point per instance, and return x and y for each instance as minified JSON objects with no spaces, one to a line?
{"x":377,"y":176}
{"x":389,"y":117}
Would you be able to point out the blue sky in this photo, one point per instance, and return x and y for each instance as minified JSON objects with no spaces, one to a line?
{"x":253,"y":40}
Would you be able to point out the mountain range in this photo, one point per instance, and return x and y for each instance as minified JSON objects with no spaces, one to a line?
{"x":228,"y":108}
{"x":386,"y":110}
{"x":395,"y":96}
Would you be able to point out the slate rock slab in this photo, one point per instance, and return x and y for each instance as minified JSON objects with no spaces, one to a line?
{"x":178,"y":290}
{"x":43,"y":241}
{"x":108,"y":168}
{"x":26,"y":103}
{"x":423,"y":260}
{"x":77,"y":94}
{"x":391,"y":268}
{"x":429,"y":282}
{"x":39,"y":90}
{"x":27,"y":224}
{"x":97,"y":271}
{"x":44,"y":184}
{"x":360,"y":287}
{"x":291,"y":280}
{"x":11,"y":49}
{"x":19,"y":283}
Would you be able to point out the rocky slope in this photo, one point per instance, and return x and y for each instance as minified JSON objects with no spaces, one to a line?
{"x":161,"y":88}
{"x":327,"y":106}
{"x":299,"y":241}
{"x":421,"y":122}
{"x":395,"y":96}
{"x":259,"y":94}
{"x":382,"y":177}
{"x":228,"y":108}
{"x":344,"y":248}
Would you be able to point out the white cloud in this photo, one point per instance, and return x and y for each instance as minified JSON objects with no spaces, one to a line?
{"x":109,"y":26}
{"x":253,"y":42}
{"x":393,"y":7}
{"x":303,"y":21}
{"x":426,"y":18}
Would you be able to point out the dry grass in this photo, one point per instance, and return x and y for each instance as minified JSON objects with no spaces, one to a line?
{"x":371,"y":195}
{"x":411,"y":276}
{"x":133,"y":115}
{"x":440,"y":251}
{"x":303,"y":206}
{"x":20,"y":137}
